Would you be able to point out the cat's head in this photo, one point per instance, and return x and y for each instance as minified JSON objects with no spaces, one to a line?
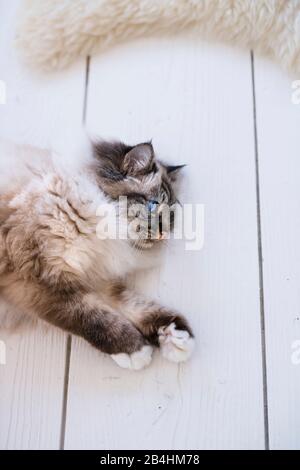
{"x":147,"y":183}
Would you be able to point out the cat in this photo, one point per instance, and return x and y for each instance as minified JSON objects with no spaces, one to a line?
{"x":57,"y":264}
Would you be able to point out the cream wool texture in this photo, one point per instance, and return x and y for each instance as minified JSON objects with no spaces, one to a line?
{"x":51,"y":34}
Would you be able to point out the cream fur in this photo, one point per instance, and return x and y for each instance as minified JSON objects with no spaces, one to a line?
{"x":42,"y":178}
{"x":58,"y":266}
{"x":53,"y":33}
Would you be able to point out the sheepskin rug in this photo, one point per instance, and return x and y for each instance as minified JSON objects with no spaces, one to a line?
{"x":53,"y":33}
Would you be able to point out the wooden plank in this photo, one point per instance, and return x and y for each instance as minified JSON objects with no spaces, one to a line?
{"x":31,"y":389}
{"x":278,"y":122}
{"x":195,"y":101}
{"x":39,"y":109}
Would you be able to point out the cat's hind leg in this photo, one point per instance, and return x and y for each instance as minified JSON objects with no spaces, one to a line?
{"x":176,"y":345}
{"x":161,"y":326}
{"x":170,"y":331}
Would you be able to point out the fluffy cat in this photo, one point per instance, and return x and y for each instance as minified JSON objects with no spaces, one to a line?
{"x":57,"y":264}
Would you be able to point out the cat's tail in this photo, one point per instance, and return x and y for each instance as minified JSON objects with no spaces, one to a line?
{"x":53,"y":33}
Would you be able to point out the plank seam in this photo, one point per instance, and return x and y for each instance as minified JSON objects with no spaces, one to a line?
{"x":260,"y":261}
{"x":65,"y":393}
{"x":69,"y":338}
{"x":86,"y":86}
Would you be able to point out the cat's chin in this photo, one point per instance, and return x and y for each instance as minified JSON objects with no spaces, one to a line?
{"x":147,"y":244}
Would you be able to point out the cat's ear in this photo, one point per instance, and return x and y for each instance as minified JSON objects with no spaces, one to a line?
{"x":109,"y":159}
{"x":174,"y":171}
{"x":139,"y":159}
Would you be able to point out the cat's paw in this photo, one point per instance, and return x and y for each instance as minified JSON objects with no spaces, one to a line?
{"x":176,"y":345}
{"x":136,"y":361}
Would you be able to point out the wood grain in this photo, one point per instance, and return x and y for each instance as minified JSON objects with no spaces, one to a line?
{"x":195,"y":102}
{"x":278,"y":122}
{"x":40,"y":110}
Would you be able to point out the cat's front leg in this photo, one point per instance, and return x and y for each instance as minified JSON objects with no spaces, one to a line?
{"x":109,"y":332}
{"x":85,"y":315}
{"x":161,"y":326}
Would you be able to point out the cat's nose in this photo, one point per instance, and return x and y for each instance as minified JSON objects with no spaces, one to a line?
{"x":152,"y":205}
{"x":155,"y":222}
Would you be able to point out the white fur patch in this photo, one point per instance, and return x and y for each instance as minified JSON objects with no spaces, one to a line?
{"x":272,"y":27}
{"x":136,"y":361}
{"x":176,"y":345}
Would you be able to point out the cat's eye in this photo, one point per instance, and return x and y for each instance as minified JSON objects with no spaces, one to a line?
{"x":152,"y":205}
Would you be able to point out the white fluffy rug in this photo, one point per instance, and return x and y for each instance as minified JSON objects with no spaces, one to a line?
{"x":53,"y":33}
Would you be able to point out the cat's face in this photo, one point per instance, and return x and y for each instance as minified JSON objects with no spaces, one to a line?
{"x":147,"y":184}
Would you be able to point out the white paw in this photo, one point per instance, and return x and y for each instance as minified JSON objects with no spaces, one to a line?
{"x":176,"y":345}
{"x":137,"y":360}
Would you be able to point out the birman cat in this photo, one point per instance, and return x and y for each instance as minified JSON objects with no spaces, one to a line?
{"x":58,"y":264}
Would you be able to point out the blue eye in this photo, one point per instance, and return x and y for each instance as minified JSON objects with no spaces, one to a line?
{"x":152,"y":205}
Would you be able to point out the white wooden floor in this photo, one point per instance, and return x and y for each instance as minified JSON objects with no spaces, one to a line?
{"x":232,"y":120}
